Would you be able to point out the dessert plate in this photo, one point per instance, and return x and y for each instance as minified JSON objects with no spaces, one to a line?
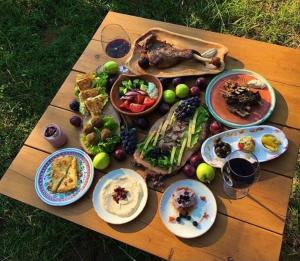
{"x":114,"y":174}
{"x":43,"y":178}
{"x":232,"y":137}
{"x":204,"y":212}
{"x":217,"y":106}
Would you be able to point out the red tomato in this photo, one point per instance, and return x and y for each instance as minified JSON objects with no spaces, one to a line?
{"x":241,"y":146}
{"x":139,"y":98}
{"x":149,"y":102}
{"x":125,"y":105}
{"x":134,"y":107}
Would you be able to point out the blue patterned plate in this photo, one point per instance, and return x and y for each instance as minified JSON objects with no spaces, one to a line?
{"x":43,"y":178}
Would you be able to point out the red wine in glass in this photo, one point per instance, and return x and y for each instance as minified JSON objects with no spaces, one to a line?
{"x":115,"y":41}
{"x":240,"y":171}
{"x":244,"y":179}
{"x":117,"y":48}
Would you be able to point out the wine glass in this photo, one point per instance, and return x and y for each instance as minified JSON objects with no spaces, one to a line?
{"x":115,"y":41}
{"x":240,"y":172}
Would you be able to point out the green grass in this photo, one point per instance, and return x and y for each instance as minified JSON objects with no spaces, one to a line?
{"x":40,"y":40}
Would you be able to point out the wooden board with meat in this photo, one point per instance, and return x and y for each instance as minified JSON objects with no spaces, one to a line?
{"x":167,"y":54}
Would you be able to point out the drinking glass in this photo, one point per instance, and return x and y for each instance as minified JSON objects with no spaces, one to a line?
{"x":115,"y":41}
{"x":240,"y":172}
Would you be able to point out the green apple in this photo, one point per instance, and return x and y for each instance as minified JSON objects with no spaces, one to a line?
{"x":182,"y":90}
{"x":169,"y":96}
{"x":101,"y":161}
{"x":205,"y":172}
{"x":111,"y":67}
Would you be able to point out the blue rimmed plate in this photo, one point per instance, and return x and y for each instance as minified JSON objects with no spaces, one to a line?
{"x":217,"y":106}
{"x":43,"y":178}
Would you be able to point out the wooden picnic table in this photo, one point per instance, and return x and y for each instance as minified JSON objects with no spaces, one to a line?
{"x":247,"y":229}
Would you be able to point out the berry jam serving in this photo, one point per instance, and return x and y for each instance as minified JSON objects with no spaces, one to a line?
{"x":54,"y":135}
{"x":117,"y":48}
{"x":50,"y":131}
{"x":120,"y":193}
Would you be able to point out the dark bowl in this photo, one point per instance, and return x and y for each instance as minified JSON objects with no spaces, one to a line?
{"x":115,"y":96}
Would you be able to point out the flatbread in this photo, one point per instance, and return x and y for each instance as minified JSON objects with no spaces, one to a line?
{"x":83,"y":95}
{"x":95,"y":105}
{"x":60,"y":167}
{"x":85,"y":81}
{"x":70,"y":180}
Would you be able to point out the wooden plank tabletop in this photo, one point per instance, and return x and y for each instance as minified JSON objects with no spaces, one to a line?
{"x":246,"y":229}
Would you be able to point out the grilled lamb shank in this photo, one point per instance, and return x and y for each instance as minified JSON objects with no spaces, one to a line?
{"x":164,"y":55}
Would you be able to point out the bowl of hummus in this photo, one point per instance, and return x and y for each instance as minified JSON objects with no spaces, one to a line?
{"x":120,"y":196}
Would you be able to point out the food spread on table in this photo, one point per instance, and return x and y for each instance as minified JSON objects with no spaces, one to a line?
{"x":137,"y":95}
{"x":172,"y":144}
{"x":121,"y":196}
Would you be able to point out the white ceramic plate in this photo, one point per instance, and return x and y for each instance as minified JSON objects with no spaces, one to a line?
{"x":233,"y":136}
{"x":185,"y":228}
{"x":105,"y":215}
{"x":43,"y":178}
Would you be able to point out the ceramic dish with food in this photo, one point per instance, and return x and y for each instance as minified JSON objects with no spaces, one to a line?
{"x":240,"y":98}
{"x":188,"y":208}
{"x":249,"y":139}
{"x":167,"y":54}
{"x":120,"y":196}
{"x":64,"y":177}
{"x":136,"y":95}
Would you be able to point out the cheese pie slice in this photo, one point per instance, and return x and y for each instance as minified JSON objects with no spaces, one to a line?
{"x":88,"y":94}
{"x":69,"y":182}
{"x":94,"y":105}
{"x":60,"y":167}
{"x":85,"y":81}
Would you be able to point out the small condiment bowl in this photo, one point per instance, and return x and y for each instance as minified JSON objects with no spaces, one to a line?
{"x":115,"y":96}
{"x":265,"y":148}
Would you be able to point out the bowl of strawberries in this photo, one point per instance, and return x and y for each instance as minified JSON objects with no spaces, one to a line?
{"x":136,"y":95}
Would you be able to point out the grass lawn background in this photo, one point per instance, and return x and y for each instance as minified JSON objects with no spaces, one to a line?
{"x":40,"y":40}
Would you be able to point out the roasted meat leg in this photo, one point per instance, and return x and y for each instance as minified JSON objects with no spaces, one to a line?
{"x":164,"y":55}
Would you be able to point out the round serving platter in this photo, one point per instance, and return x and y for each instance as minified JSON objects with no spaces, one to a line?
{"x":100,"y":210}
{"x":44,"y":172}
{"x":232,"y":137}
{"x":204,"y":213}
{"x":217,"y":106}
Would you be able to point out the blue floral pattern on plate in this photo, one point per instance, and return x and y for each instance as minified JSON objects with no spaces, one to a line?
{"x":43,"y":178}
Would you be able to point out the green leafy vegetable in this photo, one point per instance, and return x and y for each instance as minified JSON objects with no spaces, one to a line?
{"x":107,"y":145}
{"x":110,"y":123}
{"x":163,"y":162}
{"x":202,"y":116}
{"x":126,"y":86}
